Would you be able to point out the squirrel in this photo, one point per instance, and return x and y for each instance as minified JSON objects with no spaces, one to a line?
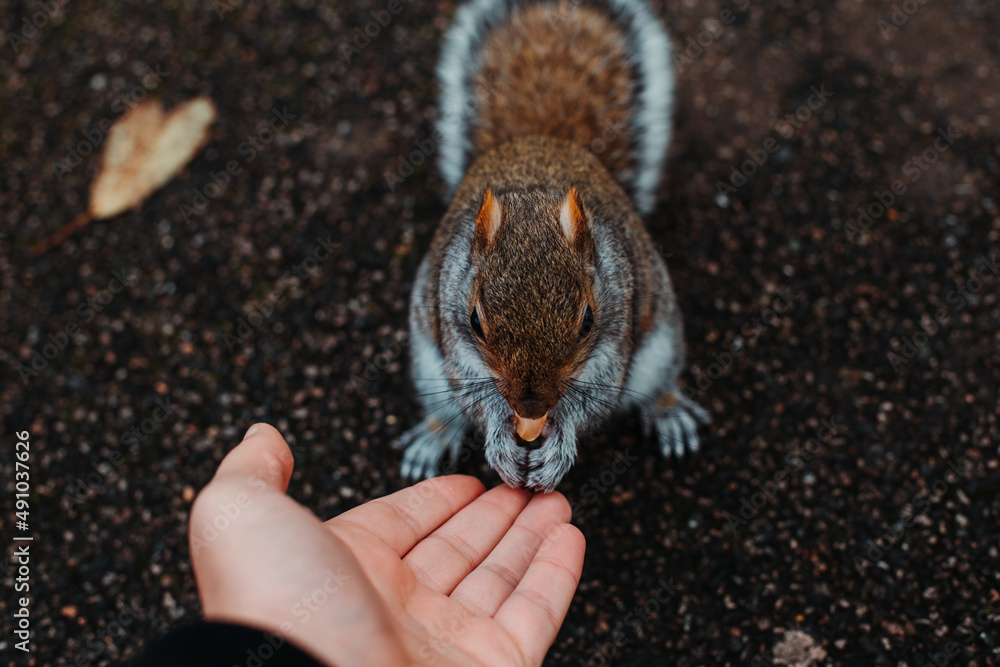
{"x":542,"y":306}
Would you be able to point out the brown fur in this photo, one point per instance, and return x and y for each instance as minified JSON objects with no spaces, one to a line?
{"x":560,"y":71}
{"x":534,"y":316}
{"x":533,"y":322}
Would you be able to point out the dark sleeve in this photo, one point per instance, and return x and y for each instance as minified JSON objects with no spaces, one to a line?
{"x":205,"y":644}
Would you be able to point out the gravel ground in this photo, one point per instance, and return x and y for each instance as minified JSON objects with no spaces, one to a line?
{"x":844,"y":507}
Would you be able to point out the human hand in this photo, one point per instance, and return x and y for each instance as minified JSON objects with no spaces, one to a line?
{"x":438,"y":573}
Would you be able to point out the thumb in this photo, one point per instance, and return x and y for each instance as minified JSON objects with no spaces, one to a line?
{"x":262,"y":455}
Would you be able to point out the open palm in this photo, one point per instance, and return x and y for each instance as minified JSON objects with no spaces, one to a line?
{"x":439,"y":573}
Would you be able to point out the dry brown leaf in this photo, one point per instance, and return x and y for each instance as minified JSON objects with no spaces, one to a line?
{"x":144,"y":150}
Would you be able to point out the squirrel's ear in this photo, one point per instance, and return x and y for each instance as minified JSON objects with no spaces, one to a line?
{"x":487,"y":221}
{"x":573,"y":222}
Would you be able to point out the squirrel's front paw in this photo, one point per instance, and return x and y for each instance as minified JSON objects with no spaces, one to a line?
{"x":508,"y":459}
{"x":675,"y":419}
{"x":538,"y":468}
{"x":549,"y":463}
{"x":425,"y":444}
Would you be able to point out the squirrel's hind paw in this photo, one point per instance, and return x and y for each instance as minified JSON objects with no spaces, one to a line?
{"x":675,"y":419}
{"x":425,"y":444}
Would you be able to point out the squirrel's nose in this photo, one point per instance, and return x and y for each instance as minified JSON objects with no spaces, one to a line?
{"x":532,"y":408}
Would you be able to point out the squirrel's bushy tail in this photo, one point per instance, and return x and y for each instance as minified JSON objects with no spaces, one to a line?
{"x":597,"y":72}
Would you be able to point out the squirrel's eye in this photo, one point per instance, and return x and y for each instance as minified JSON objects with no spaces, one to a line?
{"x":588,"y":323}
{"x":477,"y":326}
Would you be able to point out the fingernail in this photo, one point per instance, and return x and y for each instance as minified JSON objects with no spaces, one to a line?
{"x":253,"y":429}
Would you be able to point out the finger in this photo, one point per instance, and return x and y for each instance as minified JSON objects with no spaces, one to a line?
{"x":406,"y":517}
{"x":536,"y":609}
{"x":260,"y":463}
{"x":455,"y":549}
{"x":263,"y":457}
{"x":486,"y":588}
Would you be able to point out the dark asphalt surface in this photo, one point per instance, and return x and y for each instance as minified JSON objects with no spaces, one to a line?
{"x":877,"y":542}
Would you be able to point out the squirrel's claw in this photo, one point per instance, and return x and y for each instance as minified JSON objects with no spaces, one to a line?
{"x":555,"y":464}
{"x":425,"y":445}
{"x":420,"y":461}
{"x":677,"y":429}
